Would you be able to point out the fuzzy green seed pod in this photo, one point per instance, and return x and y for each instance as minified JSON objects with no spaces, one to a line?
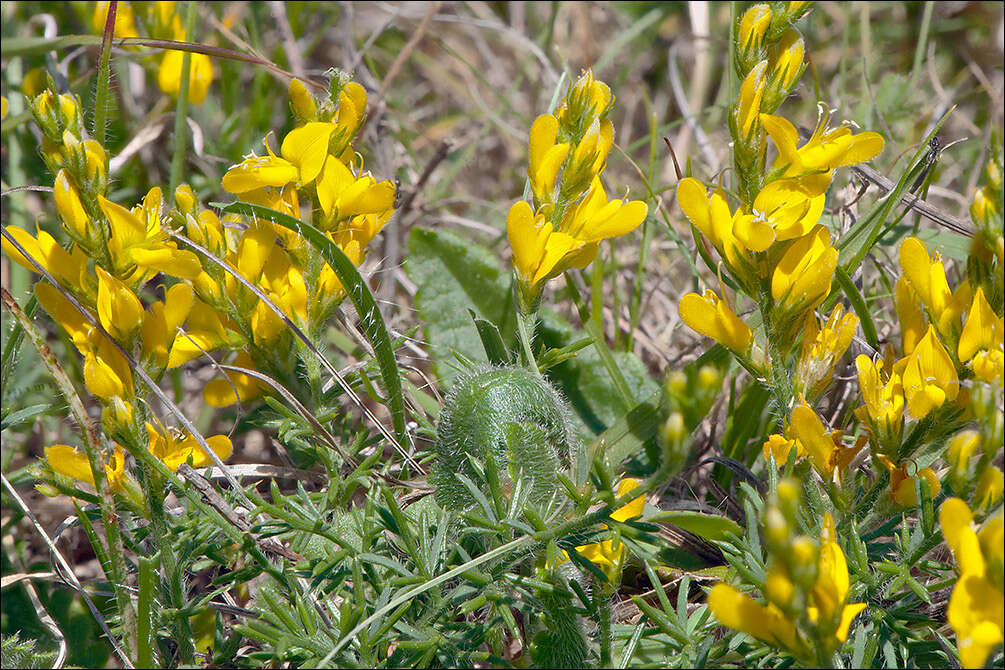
{"x":503,"y":423}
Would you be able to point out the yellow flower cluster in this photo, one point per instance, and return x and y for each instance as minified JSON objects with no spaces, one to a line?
{"x":116,"y":251}
{"x":806,"y":586}
{"x":571,"y":214}
{"x":163,"y":22}
{"x":946,"y":336}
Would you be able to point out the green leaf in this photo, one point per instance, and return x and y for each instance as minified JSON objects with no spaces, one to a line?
{"x":362,"y":299}
{"x":22,"y":415}
{"x":708,"y":526}
{"x":860,"y":307}
{"x":492,"y":341}
{"x":455,"y":277}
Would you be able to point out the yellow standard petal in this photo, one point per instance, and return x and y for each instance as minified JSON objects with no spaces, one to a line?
{"x":929,"y":377}
{"x":307,"y":148}
{"x":802,"y":278}
{"x":739,"y":612}
{"x":119,"y":310}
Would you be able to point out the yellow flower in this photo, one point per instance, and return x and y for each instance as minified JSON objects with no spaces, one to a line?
{"x":982,"y":340}
{"x":977,"y":606}
{"x":822,"y":446}
{"x":786,"y":66}
{"x":740,"y":612}
{"x":140,"y":247}
{"x":302,"y":102}
{"x":119,"y":310}
{"x":823,"y":345}
{"x":929,"y":376}
{"x":173,"y":450}
{"x":236,"y":386}
{"x":712,"y":317}
{"x":106,"y":371}
{"x":779,"y":446}
{"x":304,"y":153}
{"x":70,"y":207}
{"x":830,"y":593}
{"x":902,"y":489}
{"x":204,"y":330}
{"x":785,"y":209}
{"x":546,"y":156}
{"x":604,"y":554}
{"x":753,"y":26}
{"x":825,"y":150}
{"x":161,"y":322}
{"x":912,"y":319}
{"x":344,"y":195}
{"x":539,"y":252}
{"x":67,"y":461}
{"x":199,"y":79}
{"x":884,"y":400}
{"x":596,"y":218}
{"x":70,"y":268}
{"x":712,"y":218}
{"x":802,"y":278}
{"x":927,"y":276}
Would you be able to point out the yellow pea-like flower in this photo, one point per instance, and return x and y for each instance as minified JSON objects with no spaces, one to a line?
{"x":119,"y":310}
{"x":200,"y":75}
{"x":802,"y":278}
{"x":929,"y":376}
{"x":70,"y":462}
{"x":710,"y":316}
{"x":174,"y":450}
{"x":546,"y":156}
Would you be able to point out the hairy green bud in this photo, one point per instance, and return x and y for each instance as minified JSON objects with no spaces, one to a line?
{"x":504,"y":429}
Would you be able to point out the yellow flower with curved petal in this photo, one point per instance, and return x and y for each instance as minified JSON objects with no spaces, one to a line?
{"x":70,"y":268}
{"x":884,"y":400}
{"x":119,"y":310}
{"x":825,"y":150}
{"x":604,"y":554}
{"x":927,"y":276}
{"x":258,"y":172}
{"x":546,"y":156}
{"x":779,"y":446}
{"x":139,"y":247}
{"x":200,"y":75}
{"x":69,"y":206}
{"x":977,"y":606}
{"x":710,"y":316}
{"x":161,"y":322}
{"x":596,"y":218}
{"x":802,"y":278}
{"x":830,"y":593}
{"x":740,"y":612}
{"x":70,"y":462}
{"x":712,"y":217}
{"x":538,"y":250}
{"x":823,"y":345}
{"x":784,"y":209}
{"x":748,"y":105}
{"x":983,"y":333}
{"x":912,"y":319}
{"x":929,"y":376}
{"x":344,"y":195}
{"x":173,"y":450}
{"x":204,"y":332}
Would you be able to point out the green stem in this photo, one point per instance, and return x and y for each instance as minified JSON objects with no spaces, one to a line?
{"x":104,"y":74}
{"x":919,"y":51}
{"x":181,"y":108}
{"x":603,"y":603}
{"x":600,"y":344}
{"x":525,"y":322}
{"x":92,"y":447}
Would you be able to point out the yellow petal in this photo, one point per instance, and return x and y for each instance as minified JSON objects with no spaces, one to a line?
{"x":307,"y":148}
{"x":633,"y":508}
{"x":69,"y":206}
{"x":119,"y":310}
{"x":711,"y":317}
{"x":739,"y":612}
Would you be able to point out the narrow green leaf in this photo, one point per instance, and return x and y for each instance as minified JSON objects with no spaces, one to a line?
{"x":362,"y":299}
{"x":492,"y":340}
{"x":858,"y":304}
{"x":708,"y":526}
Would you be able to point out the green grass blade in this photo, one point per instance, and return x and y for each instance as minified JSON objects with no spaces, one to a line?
{"x":362,"y":299}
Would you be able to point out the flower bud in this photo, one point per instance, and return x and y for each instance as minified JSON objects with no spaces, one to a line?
{"x":750,"y":37}
{"x":302,"y":103}
{"x":185,"y":200}
{"x":990,"y":488}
